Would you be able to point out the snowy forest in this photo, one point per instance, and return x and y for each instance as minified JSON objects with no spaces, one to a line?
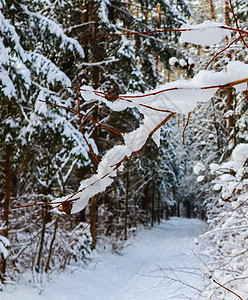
{"x":121,"y":119}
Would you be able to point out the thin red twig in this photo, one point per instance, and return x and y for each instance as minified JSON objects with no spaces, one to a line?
{"x":234,"y":29}
{"x":134,"y":33}
{"x":156,"y":31}
{"x":234,"y":41}
{"x":187,"y":123}
{"x":237,"y":24}
{"x":227,"y":289}
{"x":33,"y":204}
{"x":85,"y":116}
{"x":124,"y":98}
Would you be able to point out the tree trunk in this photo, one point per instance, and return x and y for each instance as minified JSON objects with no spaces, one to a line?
{"x":95,"y":134}
{"x":229,"y":106}
{"x":126,"y":206}
{"x":38,"y":264}
{"x":153,"y":208}
{"x":229,"y":100}
{"x":51,"y":245}
{"x":158,"y":211}
{"x":93,"y":221}
{"x":6,"y":202}
{"x":145,"y":199}
{"x":178,"y":209}
{"x":129,"y":5}
{"x":227,"y":9}
{"x":212,"y":12}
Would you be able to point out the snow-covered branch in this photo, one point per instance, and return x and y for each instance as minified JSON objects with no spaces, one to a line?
{"x":181,"y":96}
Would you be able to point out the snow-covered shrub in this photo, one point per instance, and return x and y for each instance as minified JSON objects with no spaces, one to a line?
{"x":227,"y":237}
{"x":80,"y":243}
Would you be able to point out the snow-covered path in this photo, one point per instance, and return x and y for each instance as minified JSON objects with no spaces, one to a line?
{"x":138,"y":274}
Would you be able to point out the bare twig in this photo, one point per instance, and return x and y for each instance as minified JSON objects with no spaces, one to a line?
{"x":237,"y":24}
{"x":187,"y":123}
{"x":227,"y":289}
{"x":228,"y":46}
{"x":85,"y":116}
{"x":157,"y":31}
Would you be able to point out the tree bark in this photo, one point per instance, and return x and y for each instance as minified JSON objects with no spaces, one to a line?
{"x":153,"y":208}
{"x":126,"y":205}
{"x":51,"y":245}
{"x":212,"y":11}
{"x":229,"y":106}
{"x":95,"y":135}
{"x":93,"y":221}
{"x":145,"y":198}
{"x":229,"y":96}
{"x":38,"y":264}
{"x":6,"y":202}
{"x":158,"y":211}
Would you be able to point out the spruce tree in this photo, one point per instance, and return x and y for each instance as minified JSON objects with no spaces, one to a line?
{"x":40,"y":144}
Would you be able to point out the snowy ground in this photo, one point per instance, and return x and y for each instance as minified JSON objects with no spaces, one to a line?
{"x":138,"y":273}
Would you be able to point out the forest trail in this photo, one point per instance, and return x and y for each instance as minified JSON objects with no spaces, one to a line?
{"x":138,"y":273}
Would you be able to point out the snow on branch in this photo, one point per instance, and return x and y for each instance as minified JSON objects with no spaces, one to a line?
{"x":180,"y":96}
{"x":206,"y":34}
{"x":8,"y":31}
{"x":56,"y":30}
{"x":158,"y":106}
{"x":43,"y":65}
{"x":8,"y":87}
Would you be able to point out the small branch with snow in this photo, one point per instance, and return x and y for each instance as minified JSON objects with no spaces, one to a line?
{"x":213,"y":30}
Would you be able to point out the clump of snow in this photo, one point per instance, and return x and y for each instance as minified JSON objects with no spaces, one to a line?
{"x":182,"y":62}
{"x":200,"y":178}
{"x":87,"y":93}
{"x":199,"y":167}
{"x":180,"y":96}
{"x":173,"y":61}
{"x":206,"y":34}
{"x":214,"y":167}
{"x":229,"y":113}
{"x":217,"y":187}
{"x":47,"y":68}
{"x":240,"y":153}
{"x":191,"y":62}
